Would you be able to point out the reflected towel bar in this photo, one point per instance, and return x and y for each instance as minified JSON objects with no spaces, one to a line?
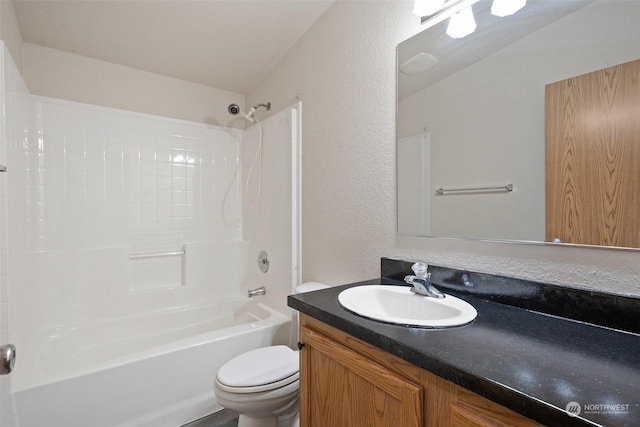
{"x":156,"y":254}
{"x":444,"y":191}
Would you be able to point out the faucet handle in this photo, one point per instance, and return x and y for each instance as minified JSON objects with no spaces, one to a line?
{"x":420,"y":270}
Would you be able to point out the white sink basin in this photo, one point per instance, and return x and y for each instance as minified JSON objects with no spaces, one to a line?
{"x":397,"y":304}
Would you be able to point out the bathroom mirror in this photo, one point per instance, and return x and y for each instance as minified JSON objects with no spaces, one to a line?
{"x":471,"y":113}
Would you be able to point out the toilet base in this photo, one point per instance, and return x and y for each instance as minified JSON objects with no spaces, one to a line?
{"x":290,"y":417}
{"x":273,"y":401}
{"x":246,"y":421}
{"x":290,"y":421}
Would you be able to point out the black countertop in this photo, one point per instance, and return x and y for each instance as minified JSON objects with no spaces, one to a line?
{"x":533,"y":363}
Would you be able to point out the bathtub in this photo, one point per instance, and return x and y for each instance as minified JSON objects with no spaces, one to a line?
{"x":154,"y":369}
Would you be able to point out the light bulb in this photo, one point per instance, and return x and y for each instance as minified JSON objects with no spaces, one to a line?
{"x":461,"y":24}
{"x":506,"y":7}
{"x":427,"y":7}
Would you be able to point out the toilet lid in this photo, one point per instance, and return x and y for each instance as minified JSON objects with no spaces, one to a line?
{"x":259,"y":367}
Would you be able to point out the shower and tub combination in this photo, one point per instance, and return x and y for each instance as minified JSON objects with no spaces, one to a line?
{"x":152,"y":369}
{"x":132,"y":243}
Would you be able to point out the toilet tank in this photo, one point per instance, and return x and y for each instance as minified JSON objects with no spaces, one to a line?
{"x":309,"y":286}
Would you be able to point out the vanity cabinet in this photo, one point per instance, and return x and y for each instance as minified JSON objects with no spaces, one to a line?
{"x":346,"y":382}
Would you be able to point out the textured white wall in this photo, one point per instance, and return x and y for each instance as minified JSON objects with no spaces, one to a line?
{"x":344,"y":71}
{"x":56,"y":74}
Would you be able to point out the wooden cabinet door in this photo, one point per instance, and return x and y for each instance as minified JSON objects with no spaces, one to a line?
{"x":471,"y":410}
{"x":339,"y":387}
{"x":592,"y":134}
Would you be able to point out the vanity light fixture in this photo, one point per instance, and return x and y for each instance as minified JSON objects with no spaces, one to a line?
{"x":460,"y":14}
{"x":461,"y":23}
{"x":450,"y":8}
{"x":427,"y":7}
{"x":506,"y":7}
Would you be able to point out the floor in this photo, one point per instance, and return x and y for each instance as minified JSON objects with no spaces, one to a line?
{"x":224,"y":418}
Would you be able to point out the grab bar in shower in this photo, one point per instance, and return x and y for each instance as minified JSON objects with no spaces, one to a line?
{"x":445,"y":191}
{"x":146,"y":255}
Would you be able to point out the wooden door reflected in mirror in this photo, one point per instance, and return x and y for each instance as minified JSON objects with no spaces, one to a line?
{"x":592,"y":137}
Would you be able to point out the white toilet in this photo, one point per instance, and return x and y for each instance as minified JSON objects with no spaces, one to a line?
{"x":262,"y":384}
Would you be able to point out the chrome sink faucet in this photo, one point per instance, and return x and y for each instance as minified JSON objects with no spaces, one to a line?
{"x":422,"y":281}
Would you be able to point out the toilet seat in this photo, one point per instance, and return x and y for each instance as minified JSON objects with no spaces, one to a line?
{"x":262,"y":369}
{"x":258,"y":388}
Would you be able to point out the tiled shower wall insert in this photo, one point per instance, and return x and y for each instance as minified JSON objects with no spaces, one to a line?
{"x":105,"y":185}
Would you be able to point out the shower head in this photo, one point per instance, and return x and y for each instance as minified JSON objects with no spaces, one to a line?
{"x":234,"y":110}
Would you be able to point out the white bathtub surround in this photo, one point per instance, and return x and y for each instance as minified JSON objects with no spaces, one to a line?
{"x":90,"y":192}
{"x":103,"y":185}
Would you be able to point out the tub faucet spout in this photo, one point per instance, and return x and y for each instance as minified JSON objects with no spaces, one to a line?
{"x":258,"y":291}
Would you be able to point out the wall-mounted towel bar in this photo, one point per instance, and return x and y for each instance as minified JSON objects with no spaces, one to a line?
{"x":445,"y":191}
{"x":157,"y":254}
